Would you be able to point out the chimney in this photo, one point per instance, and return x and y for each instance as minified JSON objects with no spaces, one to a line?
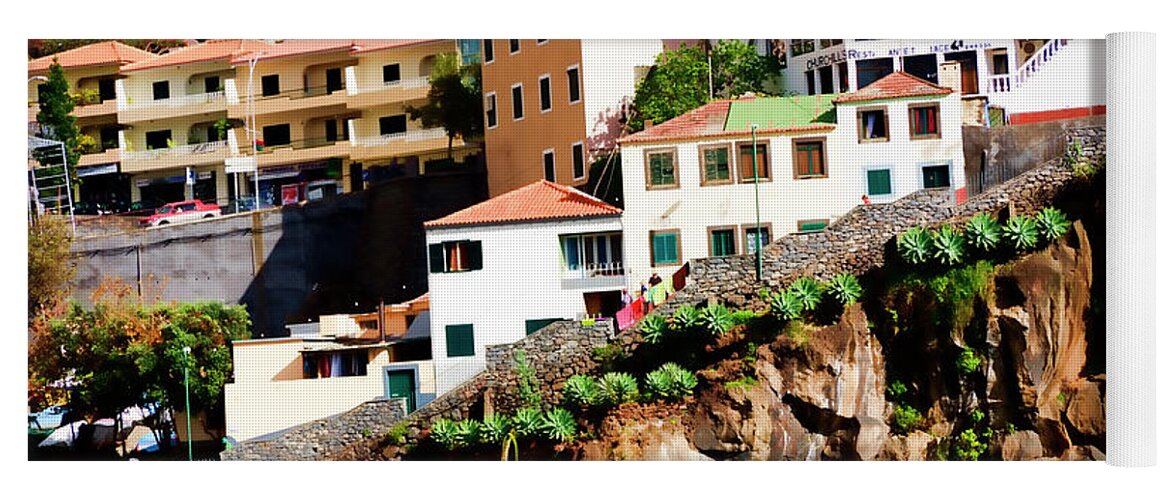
{"x":949,"y":75}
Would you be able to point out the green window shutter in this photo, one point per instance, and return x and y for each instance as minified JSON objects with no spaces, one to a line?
{"x":722,"y":243}
{"x":460,"y":341}
{"x":665,"y":250}
{"x":878,"y":182}
{"x":532,"y":325}
{"x":811,"y":226}
{"x":436,"y":253}
{"x":475,"y":256}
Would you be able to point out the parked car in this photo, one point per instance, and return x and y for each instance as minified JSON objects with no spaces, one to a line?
{"x":243,"y":204}
{"x":181,"y":211}
{"x":49,"y":418}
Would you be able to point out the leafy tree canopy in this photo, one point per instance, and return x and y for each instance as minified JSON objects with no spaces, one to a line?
{"x":454,"y":101}
{"x":56,"y":106}
{"x":49,"y":265}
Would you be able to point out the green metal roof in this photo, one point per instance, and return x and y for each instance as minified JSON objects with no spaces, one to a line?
{"x":781,"y":112}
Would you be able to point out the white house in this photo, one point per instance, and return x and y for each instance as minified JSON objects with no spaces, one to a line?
{"x":508,"y":266}
{"x":688,"y":183}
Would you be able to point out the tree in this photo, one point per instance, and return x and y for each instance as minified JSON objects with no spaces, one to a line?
{"x":677,"y":83}
{"x":454,"y":101}
{"x":56,"y":119}
{"x":737,"y":69}
{"x":50,"y":267}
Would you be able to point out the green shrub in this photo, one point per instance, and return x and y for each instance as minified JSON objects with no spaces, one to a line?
{"x":398,"y":433}
{"x":609,"y":355}
{"x":685,"y":318}
{"x":1052,"y":223}
{"x":968,"y":362}
{"x":1022,"y":232}
{"x":948,"y":244}
{"x":716,"y":319}
{"x":983,"y":232}
{"x":906,"y":418}
{"x":845,"y":289}
{"x":968,"y":446}
{"x":495,"y":429}
{"x":915,"y":245}
{"x":808,"y":292}
{"x":976,"y":416}
{"x":558,"y":424}
{"x":671,"y":381}
{"x":653,"y":328}
{"x":617,"y":388}
{"x":527,"y":422}
{"x":526,"y":377}
{"x":1075,"y":160}
{"x":785,"y":305}
{"x":581,"y":390}
{"x":444,"y":431}
{"x":467,"y":433}
{"x":743,"y":316}
{"x":896,"y":390}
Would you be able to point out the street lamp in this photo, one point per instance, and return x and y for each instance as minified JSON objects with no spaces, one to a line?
{"x":187,"y":402}
{"x":251,"y":110}
{"x":756,"y":188}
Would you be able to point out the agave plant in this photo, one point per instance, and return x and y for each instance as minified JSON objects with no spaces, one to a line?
{"x":658,"y":384}
{"x":653,"y":328}
{"x":671,"y":381}
{"x":558,"y":424}
{"x":716,"y":319}
{"x":808,"y":292}
{"x":915,"y":245}
{"x":786,"y":305}
{"x":618,"y":388}
{"x":845,"y":289}
{"x":527,"y":422}
{"x":685,"y":318}
{"x":581,"y":390}
{"x":983,"y":232}
{"x":467,"y":433}
{"x":948,"y":243}
{"x":495,"y":429}
{"x":1022,"y":232}
{"x":1052,"y":223}
{"x":444,"y":431}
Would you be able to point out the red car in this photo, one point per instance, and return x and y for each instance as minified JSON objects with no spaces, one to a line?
{"x":181,"y":211}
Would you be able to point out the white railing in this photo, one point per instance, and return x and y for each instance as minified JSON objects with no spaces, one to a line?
{"x":411,"y":136}
{"x":595,"y":270}
{"x":407,"y":83}
{"x":185,"y":100}
{"x":1005,"y":83}
{"x":187,"y":149}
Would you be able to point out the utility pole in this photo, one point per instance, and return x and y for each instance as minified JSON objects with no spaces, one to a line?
{"x":252,"y":128}
{"x":756,"y":188}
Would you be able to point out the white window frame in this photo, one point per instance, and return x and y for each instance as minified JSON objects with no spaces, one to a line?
{"x":510,"y":51}
{"x":584,"y":167}
{"x":512,"y":100}
{"x":579,"y":89}
{"x":495,"y":108}
{"x":540,"y":102}
{"x":552,"y":153}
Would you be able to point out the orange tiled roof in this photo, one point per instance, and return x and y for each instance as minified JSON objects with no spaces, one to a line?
{"x":893,"y":86}
{"x":363,"y":46}
{"x":541,"y":200}
{"x":209,"y":51}
{"x":699,"y":122}
{"x":285,"y":48}
{"x":94,"y":54}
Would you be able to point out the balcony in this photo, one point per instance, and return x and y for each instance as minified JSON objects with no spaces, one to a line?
{"x":302,"y":151}
{"x":179,"y":156}
{"x":594,"y":275}
{"x":401,"y":144}
{"x":371,"y":95}
{"x":191,"y":104}
{"x":111,"y":155}
{"x":290,"y":100}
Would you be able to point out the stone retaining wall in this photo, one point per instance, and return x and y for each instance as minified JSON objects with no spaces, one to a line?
{"x":321,"y":439}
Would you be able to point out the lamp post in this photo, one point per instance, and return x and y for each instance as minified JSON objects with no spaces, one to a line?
{"x":187,"y":402}
{"x":252,"y":128}
{"x":756,"y":188}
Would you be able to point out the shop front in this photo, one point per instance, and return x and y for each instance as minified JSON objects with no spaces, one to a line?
{"x":173,"y":186}
{"x":291,"y":184}
{"x":103,"y":188}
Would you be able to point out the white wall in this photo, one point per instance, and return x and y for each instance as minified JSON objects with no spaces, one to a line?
{"x":609,"y":75}
{"x":784,"y":201}
{"x":1075,"y":77}
{"x":521,"y":279}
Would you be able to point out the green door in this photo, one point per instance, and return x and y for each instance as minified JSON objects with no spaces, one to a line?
{"x":401,"y":384}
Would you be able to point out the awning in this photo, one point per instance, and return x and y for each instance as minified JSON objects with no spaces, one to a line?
{"x":108,"y":168}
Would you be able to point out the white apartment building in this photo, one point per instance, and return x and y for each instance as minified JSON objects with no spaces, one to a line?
{"x":513,"y":264}
{"x":689,"y":182}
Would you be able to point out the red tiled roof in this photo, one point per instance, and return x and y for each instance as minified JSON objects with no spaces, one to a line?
{"x":294,"y":48}
{"x":702,"y":121}
{"x":364,"y":46}
{"x":541,"y":200}
{"x":94,"y":54}
{"x":209,"y":51}
{"x":893,"y":86}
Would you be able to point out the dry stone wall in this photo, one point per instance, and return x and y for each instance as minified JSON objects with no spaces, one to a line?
{"x":320,"y":439}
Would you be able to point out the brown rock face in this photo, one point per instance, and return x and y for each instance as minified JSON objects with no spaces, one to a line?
{"x":1024,"y":445}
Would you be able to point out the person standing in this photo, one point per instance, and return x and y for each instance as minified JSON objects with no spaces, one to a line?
{"x":626,"y":298}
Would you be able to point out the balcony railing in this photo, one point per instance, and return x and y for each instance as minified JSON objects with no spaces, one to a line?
{"x":411,"y":136}
{"x":594,"y":270}
{"x":185,"y":100}
{"x":407,"y":83}
{"x":315,"y":142}
{"x":187,"y":149}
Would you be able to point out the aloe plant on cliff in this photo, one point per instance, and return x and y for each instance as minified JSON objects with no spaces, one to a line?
{"x":808,"y":292}
{"x":559,"y":425}
{"x":716,"y":319}
{"x":495,"y":429}
{"x":467,"y":433}
{"x":845,"y":289}
{"x":948,"y":245}
{"x":1052,"y":223}
{"x":983,"y":232}
{"x":685,"y":318}
{"x":915,"y":245}
{"x":1021,"y":231}
{"x":581,"y":390}
{"x":527,"y":422}
{"x":670,"y":381}
{"x":785,"y":305}
{"x":444,"y":431}
{"x":617,"y":388}
{"x":653,"y":328}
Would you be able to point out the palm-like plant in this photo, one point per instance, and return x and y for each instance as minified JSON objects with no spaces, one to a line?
{"x":581,"y":390}
{"x":653,"y":328}
{"x":685,"y":318}
{"x":808,"y":292}
{"x":915,"y":245}
{"x":658,"y":384}
{"x":618,"y":388}
{"x":1022,"y":232}
{"x":983,"y":232}
{"x":467,"y":433}
{"x":527,"y":422}
{"x":845,"y":289}
{"x":558,"y":424}
{"x":1052,"y":223}
{"x":716,"y":319}
{"x":948,"y":244}
{"x":683,"y":381}
{"x":443,"y":431}
{"x":495,"y":429}
{"x":785,"y":305}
